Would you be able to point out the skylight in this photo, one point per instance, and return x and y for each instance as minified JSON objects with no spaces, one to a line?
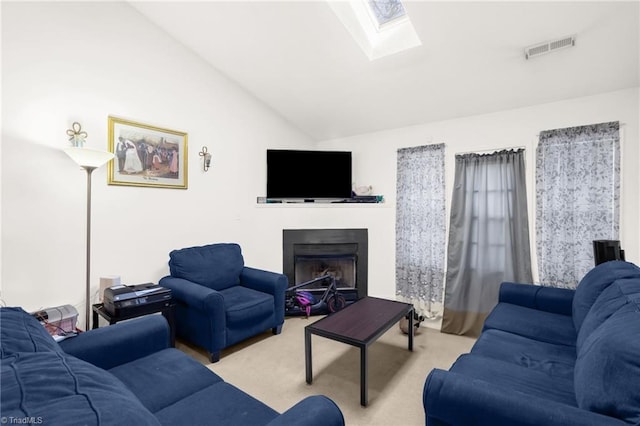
{"x":386,"y":11}
{"x":380,"y":27}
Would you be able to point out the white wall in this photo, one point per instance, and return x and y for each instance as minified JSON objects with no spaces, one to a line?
{"x":375,"y":161}
{"x":66,"y":62}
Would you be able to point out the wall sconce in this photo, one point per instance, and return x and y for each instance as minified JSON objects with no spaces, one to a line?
{"x":76,"y":135}
{"x":207,"y":158}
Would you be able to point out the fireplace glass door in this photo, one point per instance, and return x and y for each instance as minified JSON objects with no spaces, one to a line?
{"x":341,"y":267}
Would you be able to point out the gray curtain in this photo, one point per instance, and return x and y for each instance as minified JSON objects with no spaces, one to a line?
{"x":488,"y":237}
{"x":577,"y":199}
{"x":420,"y":228}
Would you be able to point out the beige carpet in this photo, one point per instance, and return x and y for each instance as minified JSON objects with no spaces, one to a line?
{"x":271,"y":368}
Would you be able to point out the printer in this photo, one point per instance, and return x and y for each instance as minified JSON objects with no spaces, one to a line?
{"x":126,"y":300}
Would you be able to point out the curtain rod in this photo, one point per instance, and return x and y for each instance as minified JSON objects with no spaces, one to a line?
{"x":620,"y":123}
{"x":485,"y":151}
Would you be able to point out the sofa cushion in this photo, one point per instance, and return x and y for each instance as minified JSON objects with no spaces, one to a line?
{"x":513,"y":377}
{"x":244,"y":306}
{"x":219,"y":404}
{"x":532,"y":323}
{"x":217,"y":266}
{"x":594,"y":283}
{"x":57,"y":388}
{"x":164,"y":377}
{"x":21,"y":332}
{"x":555,"y":360}
{"x":607,"y":369}
{"x":612,"y":298}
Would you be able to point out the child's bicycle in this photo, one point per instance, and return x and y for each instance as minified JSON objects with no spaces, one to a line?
{"x":305,"y":303}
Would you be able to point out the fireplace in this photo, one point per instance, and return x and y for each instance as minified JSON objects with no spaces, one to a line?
{"x":341,"y":253}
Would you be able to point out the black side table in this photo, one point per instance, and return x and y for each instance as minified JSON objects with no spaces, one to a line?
{"x":166,"y":309}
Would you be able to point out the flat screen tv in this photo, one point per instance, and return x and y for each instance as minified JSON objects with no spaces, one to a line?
{"x":308,"y":175}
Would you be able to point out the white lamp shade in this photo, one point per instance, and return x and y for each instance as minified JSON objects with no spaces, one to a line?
{"x":87,"y":157}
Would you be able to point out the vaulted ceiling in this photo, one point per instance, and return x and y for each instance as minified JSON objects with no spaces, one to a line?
{"x":300,"y":60}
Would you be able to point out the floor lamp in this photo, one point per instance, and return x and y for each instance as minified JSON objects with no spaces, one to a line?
{"x":88,"y":159}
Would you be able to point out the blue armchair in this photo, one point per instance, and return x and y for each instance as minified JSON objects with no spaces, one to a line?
{"x":219,"y":301}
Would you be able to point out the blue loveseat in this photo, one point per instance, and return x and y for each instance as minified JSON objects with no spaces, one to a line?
{"x":549,"y":356}
{"x":125,"y":374}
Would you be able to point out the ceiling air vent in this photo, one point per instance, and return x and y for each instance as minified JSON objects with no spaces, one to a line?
{"x":549,"y":46}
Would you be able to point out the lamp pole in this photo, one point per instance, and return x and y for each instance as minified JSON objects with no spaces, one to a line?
{"x":87,"y":298}
{"x":89,"y":160}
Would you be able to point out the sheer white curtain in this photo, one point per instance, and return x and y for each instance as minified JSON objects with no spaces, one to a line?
{"x":577,"y":199}
{"x":420,"y":228}
{"x":488,"y":237}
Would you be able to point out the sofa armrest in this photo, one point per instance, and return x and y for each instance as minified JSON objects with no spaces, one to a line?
{"x":120,"y":343}
{"x":195,"y":295}
{"x":314,"y":410}
{"x":267,"y":282}
{"x":454,"y":399}
{"x":264,"y":281}
{"x":549,"y":299}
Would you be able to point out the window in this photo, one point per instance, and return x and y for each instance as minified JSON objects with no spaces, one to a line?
{"x":386,"y":11}
{"x":488,"y":237}
{"x":577,"y":199}
{"x":380,"y":27}
{"x":420,"y":228}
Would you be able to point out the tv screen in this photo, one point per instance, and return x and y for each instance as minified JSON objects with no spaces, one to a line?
{"x":308,"y":174}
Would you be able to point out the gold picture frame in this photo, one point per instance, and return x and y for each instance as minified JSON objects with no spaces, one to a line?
{"x":146,"y":155}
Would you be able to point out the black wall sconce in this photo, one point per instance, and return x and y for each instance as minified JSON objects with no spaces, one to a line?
{"x":207,"y":158}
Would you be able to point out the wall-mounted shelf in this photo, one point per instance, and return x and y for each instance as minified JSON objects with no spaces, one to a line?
{"x":376,"y":202}
{"x":324,"y":205}
{"x":373,"y":199}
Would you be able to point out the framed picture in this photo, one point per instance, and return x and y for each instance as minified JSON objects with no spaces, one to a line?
{"x":146,"y":155}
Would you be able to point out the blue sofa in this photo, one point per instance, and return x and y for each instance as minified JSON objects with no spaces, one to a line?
{"x":549,"y":356}
{"x":219,"y":300}
{"x":125,"y":374}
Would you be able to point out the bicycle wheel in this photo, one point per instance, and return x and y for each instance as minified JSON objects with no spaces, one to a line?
{"x":336,"y":302}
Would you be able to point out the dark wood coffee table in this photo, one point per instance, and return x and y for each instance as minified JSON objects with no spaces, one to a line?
{"x":359,"y":324}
